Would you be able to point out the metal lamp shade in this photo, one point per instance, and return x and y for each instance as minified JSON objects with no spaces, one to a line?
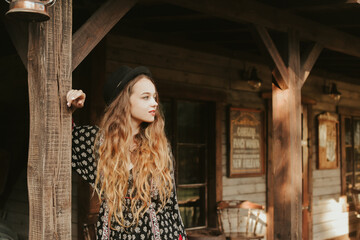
{"x":28,"y":10}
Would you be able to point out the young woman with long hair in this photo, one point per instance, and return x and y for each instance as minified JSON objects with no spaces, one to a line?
{"x":128,"y":161}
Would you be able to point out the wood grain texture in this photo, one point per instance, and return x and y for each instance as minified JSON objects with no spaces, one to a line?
{"x":311,"y":159}
{"x":270,"y":173}
{"x":276,"y":19}
{"x":274,"y":53}
{"x":295,"y":179}
{"x":96,"y":27}
{"x":287,"y":149}
{"x":49,"y":163}
{"x":281,"y":166}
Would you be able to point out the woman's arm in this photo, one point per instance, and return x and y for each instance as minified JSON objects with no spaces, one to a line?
{"x":84,"y":159}
{"x":83,"y":140}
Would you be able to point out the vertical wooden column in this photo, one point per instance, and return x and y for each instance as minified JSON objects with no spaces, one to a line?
{"x":49,"y":163}
{"x":287,"y":149}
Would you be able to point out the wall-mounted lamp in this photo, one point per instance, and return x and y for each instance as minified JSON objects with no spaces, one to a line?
{"x":29,"y":10}
{"x":331,"y":90}
{"x":250,"y":75}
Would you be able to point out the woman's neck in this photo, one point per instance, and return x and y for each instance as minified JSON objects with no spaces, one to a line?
{"x":135,"y":128}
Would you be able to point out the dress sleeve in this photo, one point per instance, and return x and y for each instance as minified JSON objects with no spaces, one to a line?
{"x":84,"y":160}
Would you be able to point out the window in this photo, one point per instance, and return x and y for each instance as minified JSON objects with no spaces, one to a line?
{"x":188,"y":125}
{"x":350,"y":155}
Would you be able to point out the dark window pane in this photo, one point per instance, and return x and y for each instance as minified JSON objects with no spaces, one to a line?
{"x":186,"y":126}
{"x":349,"y":181}
{"x":349,"y":186}
{"x":348,"y":140}
{"x":357,"y":160}
{"x":191,"y":122}
{"x":191,"y":164}
{"x":192,"y":206}
{"x":349,"y":165}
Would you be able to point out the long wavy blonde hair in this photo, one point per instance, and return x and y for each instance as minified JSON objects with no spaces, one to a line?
{"x":152,"y":160}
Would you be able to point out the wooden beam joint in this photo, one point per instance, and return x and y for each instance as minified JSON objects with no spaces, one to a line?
{"x":309,"y":61}
{"x":96,"y":27}
{"x":281,"y":72}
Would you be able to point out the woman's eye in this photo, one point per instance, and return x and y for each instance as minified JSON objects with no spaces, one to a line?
{"x":146,"y":97}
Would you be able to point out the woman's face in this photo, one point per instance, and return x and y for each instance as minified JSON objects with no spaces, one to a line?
{"x":143,"y":101}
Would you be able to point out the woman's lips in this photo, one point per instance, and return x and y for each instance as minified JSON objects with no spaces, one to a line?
{"x":152,"y":112}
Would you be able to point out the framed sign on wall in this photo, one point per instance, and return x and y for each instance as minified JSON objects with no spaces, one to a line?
{"x":246,"y":142}
{"x":328,"y":141}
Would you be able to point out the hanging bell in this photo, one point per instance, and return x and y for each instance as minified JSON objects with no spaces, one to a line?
{"x":29,"y":10}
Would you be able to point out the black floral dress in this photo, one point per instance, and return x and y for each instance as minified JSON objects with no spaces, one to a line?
{"x":165,"y":224}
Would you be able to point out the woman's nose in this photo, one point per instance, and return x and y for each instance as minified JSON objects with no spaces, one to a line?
{"x":154,"y":102}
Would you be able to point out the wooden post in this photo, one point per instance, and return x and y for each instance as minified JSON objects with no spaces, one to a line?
{"x":285,"y":164}
{"x":49,"y":164}
{"x":287,"y":150}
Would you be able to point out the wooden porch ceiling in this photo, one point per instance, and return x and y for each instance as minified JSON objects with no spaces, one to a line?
{"x":163,"y":22}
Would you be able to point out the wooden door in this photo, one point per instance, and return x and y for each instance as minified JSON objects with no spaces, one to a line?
{"x":306,"y":205}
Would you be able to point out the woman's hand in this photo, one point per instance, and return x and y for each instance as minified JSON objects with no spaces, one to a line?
{"x":75,"y":99}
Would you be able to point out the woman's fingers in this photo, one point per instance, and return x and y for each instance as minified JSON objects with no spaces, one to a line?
{"x":75,"y":98}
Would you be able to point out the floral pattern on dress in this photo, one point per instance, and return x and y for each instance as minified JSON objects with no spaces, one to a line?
{"x":171,"y":227}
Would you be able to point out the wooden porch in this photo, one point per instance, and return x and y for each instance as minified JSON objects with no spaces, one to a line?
{"x":195,"y":49}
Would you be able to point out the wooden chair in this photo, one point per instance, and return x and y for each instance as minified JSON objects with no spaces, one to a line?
{"x":228,"y":210}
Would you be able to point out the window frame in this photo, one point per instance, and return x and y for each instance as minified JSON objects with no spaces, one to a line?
{"x":352,"y":114}
{"x":214,"y":173}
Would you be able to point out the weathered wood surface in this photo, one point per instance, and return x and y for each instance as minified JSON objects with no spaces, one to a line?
{"x":311,"y":158}
{"x":306,"y":198}
{"x":49,"y":163}
{"x":270,"y":172}
{"x":287,"y":150}
{"x":218,"y":134}
{"x":277,"y":19}
{"x":175,"y":64}
{"x":274,"y":53}
{"x":96,"y":27}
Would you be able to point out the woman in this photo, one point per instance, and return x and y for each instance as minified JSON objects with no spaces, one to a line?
{"x":129,"y":161}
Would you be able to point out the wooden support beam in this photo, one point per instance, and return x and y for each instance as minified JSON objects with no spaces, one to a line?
{"x":309,"y":60}
{"x":277,"y":19}
{"x":294,"y":160}
{"x":49,"y":163}
{"x":19,"y":34}
{"x":274,"y":53}
{"x":96,"y":27}
{"x":286,"y":151}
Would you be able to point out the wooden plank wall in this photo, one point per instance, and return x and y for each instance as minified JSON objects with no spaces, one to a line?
{"x":330,"y":218}
{"x":173,"y":64}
